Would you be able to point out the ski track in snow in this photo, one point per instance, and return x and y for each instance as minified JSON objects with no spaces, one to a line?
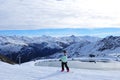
{"x":28,"y":71}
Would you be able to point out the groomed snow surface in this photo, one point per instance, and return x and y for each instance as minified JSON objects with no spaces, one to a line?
{"x":28,"y":71}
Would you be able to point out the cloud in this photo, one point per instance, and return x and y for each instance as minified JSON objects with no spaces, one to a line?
{"x":37,"y":14}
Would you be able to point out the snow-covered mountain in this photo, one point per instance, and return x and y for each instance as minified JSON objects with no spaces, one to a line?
{"x":108,"y":46}
{"x":29,"y":48}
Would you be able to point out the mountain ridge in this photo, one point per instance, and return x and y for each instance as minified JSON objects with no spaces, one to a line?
{"x":49,"y":47}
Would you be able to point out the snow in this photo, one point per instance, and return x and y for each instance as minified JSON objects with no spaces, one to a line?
{"x":97,"y":63}
{"x":28,"y":71}
{"x":11,"y":48}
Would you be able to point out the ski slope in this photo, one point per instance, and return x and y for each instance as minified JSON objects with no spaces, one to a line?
{"x":28,"y":71}
{"x":113,"y":65}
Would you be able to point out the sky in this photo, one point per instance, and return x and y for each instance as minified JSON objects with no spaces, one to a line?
{"x":35,"y":15}
{"x":99,"y":32}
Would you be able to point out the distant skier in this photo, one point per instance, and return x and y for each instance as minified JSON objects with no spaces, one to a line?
{"x":64,"y":61}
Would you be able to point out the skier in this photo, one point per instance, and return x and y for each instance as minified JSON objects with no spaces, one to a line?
{"x":64,"y":61}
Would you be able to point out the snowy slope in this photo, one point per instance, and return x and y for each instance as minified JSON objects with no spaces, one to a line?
{"x":28,"y":71}
{"x":83,"y":63}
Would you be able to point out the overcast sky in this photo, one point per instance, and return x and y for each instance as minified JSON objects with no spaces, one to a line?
{"x":38,"y":14}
